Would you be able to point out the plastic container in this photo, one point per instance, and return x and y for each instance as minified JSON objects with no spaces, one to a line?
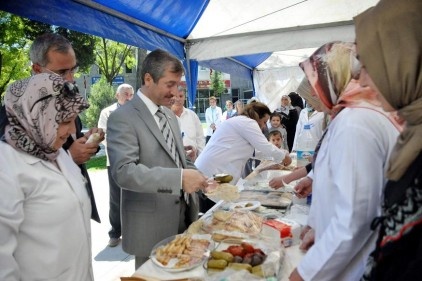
{"x":305,"y":148}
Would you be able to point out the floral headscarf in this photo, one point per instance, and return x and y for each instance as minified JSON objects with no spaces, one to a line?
{"x":35,"y":107}
{"x":332,"y":71}
{"x":389,"y":39}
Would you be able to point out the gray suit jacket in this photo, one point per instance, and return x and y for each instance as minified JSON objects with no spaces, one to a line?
{"x":141,"y":164}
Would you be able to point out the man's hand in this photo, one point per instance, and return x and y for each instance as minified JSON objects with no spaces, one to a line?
{"x":303,"y":188}
{"x":82,"y":151}
{"x":193,"y":181}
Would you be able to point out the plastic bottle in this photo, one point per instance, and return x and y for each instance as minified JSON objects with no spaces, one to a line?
{"x":305,"y":148}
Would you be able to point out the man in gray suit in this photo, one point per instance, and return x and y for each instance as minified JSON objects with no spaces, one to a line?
{"x":154,"y":177}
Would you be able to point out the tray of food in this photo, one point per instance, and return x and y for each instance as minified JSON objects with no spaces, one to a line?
{"x":270,"y":199}
{"x":256,"y":257}
{"x":223,"y":191}
{"x":245,"y":205}
{"x":182,"y":252}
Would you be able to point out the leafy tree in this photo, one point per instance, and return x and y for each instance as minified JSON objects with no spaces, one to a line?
{"x":102,"y":95}
{"x":16,"y":36}
{"x":13,"y":50}
{"x":217,"y":83}
{"x":112,"y":56}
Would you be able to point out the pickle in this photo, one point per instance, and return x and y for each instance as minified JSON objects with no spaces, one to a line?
{"x":223,"y":178}
{"x":222,"y":256}
{"x":257,"y":270}
{"x":217,"y":264}
{"x":240,"y":266}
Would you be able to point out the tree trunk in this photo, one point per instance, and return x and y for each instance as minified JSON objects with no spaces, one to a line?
{"x":142,"y":53}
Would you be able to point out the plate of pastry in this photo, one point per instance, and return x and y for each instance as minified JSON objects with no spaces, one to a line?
{"x":245,"y":205}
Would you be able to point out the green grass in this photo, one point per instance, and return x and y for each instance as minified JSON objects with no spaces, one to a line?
{"x":97,"y":163}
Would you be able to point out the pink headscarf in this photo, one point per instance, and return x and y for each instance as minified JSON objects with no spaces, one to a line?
{"x":35,"y":107}
{"x":332,"y":71}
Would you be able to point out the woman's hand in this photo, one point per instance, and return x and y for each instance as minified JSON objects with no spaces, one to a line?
{"x":303,"y":188}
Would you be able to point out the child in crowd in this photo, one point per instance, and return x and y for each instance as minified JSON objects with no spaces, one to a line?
{"x":276,"y":138}
{"x":276,"y":125}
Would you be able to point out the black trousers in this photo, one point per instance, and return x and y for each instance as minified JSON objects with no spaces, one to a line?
{"x":204,"y":203}
{"x":114,"y":213}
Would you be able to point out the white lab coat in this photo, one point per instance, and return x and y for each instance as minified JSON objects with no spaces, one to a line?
{"x":316,"y":120}
{"x":348,"y":183}
{"x":212,"y":115}
{"x":45,"y":231}
{"x":232,"y":145}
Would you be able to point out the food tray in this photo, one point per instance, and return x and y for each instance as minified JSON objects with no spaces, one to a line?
{"x":245,"y":205}
{"x":177,"y":257}
{"x":270,"y":199}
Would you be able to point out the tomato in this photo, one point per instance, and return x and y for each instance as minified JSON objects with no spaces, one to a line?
{"x":236,"y":250}
{"x":247,"y":247}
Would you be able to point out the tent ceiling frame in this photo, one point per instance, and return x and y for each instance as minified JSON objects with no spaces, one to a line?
{"x":270,"y":40}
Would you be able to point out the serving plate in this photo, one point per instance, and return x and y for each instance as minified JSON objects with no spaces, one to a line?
{"x":245,"y":205}
{"x":182,"y":252}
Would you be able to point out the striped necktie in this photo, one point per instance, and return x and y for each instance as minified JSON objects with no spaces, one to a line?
{"x":168,"y":136}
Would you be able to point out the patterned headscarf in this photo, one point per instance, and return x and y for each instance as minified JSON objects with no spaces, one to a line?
{"x":35,"y":107}
{"x":332,"y":71}
{"x":389,"y":38}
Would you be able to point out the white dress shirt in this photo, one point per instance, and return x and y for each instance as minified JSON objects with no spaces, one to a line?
{"x":232,"y":145}
{"x":348,"y":183}
{"x":102,"y":124}
{"x":192,"y":131}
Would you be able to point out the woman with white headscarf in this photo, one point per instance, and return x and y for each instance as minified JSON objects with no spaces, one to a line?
{"x":44,"y":207}
{"x":389,"y":41}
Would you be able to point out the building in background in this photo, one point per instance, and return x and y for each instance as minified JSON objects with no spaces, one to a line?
{"x":235,"y":88}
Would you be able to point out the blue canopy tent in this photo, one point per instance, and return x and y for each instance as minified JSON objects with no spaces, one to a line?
{"x":234,"y":37}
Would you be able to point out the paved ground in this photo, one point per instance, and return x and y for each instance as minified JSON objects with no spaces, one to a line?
{"x":109,"y":263}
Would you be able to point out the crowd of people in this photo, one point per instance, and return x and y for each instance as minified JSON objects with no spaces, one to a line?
{"x":361,"y":99}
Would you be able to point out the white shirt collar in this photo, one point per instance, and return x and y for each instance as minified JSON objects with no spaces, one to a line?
{"x":152,"y":107}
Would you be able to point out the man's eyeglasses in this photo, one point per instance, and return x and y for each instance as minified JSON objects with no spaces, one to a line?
{"x":63,"y":72}
{"x":69,"y":90}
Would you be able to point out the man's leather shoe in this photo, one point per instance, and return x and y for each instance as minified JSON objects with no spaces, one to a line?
{"x":113,"y":242}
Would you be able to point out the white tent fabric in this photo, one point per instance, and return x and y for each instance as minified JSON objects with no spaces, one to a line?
{"x":249,"y":26}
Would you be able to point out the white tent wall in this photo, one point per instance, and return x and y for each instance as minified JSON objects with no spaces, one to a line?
{"x":270,"y":85}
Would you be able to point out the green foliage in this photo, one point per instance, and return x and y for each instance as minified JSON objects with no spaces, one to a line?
{"x":14,"y":47}
{"x":96,"y":163}
{"x":112,"y":57}
{"x":16,"y":36}
{"x":102,"y":95}
{"x":217,"y":83}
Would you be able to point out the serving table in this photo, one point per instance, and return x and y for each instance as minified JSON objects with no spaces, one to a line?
{"x":149,"y":271}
